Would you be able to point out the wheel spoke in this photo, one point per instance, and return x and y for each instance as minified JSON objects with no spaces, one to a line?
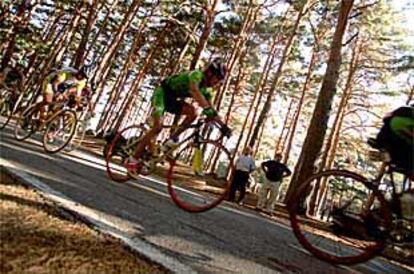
{"x":198,"y":177}
{"x":339,"y":196}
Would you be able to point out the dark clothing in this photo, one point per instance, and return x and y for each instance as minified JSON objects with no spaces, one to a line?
{"x":239,"y":183}
{"x":401,"y":151}
{"x":173,"y":104}
{"x":275,"y":171}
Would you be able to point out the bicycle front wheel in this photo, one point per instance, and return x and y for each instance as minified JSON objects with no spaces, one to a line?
{"x":198,"y":178}
{"x":59,"y":131}
{"x":332,"y":216}
{"x":78,"y":137}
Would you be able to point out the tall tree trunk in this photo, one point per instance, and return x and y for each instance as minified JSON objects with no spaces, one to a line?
{"x":279,"y":71}
{"x":208,"y":25}
{"x":123,"y":77}
{"x":105,"y":62}
{"x":119,"y":84}
{"x":317,"y":129}
{"x":102,"y":28}
{"x":301,"y":102}
{"x":244,"y":35}
{"x":260,"y":90}
{"x":126,"y":105}
{"x":80,"y":53}
{"x":11,"y":41}
{"x":341,"y":108}
{"x":71,"y":36}
{"x":259,"y":87}
{"x":57,"y":49}
{"x":183,"y":51}
{"x":279,"y":148}
{"x":260,"y":138}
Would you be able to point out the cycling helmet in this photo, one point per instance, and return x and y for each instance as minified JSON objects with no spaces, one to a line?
{"x":218,"y":68}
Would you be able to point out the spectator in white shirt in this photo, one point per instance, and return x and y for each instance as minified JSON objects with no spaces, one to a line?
{"x":244,"y":166}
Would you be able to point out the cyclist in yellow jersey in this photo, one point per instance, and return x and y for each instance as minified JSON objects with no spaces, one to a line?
{"x":59,"y":85}
{"x":169,"y":97}
{"x":64,"y":82}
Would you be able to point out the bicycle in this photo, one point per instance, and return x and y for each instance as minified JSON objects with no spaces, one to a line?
{"x":343,"y":218}
{"x":198,"y":173}
{"x":10,"y":103}
{"x":80,"y":132}
{"x":59,"y":126}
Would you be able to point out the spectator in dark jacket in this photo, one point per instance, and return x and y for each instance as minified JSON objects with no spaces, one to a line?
{"x":274,"y":172}
{"x":244,"y":166}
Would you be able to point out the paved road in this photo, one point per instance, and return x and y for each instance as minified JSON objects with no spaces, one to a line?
{"x":224,"y":240}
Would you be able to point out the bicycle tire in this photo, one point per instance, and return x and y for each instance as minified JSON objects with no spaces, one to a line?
{"x":77,"y":139}
{"x":114,"y":166}
{"x":31,"y":110}
{"x":55,"y":149}
{"x":189,"y":193}
{"x":6,"y":111}
{"x":356,"y":250}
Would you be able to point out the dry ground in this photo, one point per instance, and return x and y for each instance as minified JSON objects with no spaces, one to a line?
{"x":36,"y":238}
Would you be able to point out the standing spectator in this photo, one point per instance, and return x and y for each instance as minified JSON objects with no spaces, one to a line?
{"x":274,"y":173}
{"x":244,"y":166}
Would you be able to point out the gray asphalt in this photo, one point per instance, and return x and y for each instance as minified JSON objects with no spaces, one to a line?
{"x":227,"y":239}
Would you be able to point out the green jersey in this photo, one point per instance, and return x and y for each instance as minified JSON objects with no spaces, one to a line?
{"x":179,"y":84}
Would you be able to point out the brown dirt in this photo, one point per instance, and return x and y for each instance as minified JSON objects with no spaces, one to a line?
{"x":36,"y":238}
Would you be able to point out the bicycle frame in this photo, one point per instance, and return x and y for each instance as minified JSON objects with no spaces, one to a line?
{"x":154,"y":159}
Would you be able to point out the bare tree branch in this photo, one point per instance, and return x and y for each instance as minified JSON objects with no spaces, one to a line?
{"x":352,"y":38}
{"x":367,"y":6}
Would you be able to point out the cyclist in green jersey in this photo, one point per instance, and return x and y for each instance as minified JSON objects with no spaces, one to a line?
{"x":397,"y":137}
{"x":169,"y":97}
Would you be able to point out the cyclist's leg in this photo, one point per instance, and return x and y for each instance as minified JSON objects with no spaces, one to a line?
{"x":157,"y":118}
{"x":190,"y":115}
{"x":47,"y":99}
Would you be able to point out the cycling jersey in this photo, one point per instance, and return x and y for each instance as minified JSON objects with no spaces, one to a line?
{"x":66,"y":79}
{"x":169,"y":96}
{"x":396,"y":136}
{"x":179,"y":85}
{"x":401,"y":123}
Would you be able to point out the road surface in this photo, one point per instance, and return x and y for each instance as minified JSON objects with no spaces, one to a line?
{"x":227,"y":239}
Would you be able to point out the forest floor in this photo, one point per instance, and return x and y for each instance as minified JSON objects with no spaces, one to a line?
{"x":37,"y":237}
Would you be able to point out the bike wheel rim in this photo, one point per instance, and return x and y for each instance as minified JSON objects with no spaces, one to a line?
{"x":69,"y":118}
{"x":196,"y":197}
{"x":307,"y":230}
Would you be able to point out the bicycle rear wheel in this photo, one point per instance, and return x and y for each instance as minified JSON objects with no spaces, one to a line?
{"x":6,"y":108}
{"x":198,"y":178}
{"x":59,"y":131}
{"x":331,"y":215}
{"x":27,"y":123}
{"x":121,"y":148}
